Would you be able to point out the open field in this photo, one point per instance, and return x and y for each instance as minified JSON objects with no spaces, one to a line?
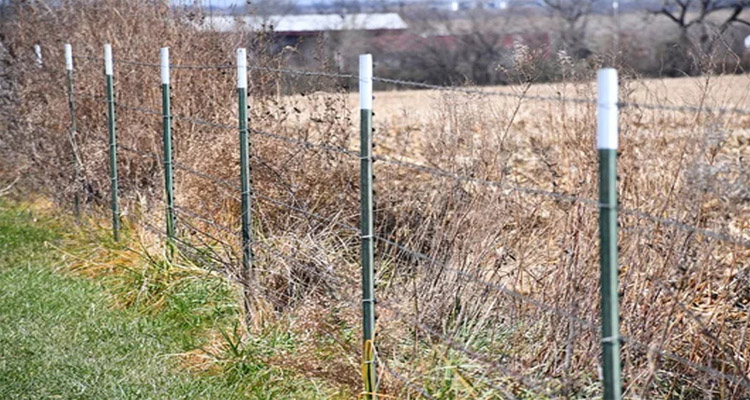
{"x":403,"y":106}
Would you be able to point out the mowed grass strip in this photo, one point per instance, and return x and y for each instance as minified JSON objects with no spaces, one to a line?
{"x":62,"y":337}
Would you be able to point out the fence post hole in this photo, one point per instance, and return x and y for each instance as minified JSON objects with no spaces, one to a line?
{"x":247,"y":255}
{"x":38,"y":55}
{"x":73,"y":134}
{"x":366,"y":221}
{"x":109,"y":76}
{"x":167,"y":141}
{"x":607,"y":131}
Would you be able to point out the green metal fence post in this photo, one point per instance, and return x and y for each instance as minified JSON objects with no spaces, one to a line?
{"x":366,"y":221}
{"x":247,"y":255}
{"x":167,"y":141}
{"x":109,"y":76}
{"x":607,"y":131}
{"x":73,"y":133}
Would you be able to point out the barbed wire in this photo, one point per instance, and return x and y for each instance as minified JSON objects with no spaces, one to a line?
{"x":566,"y":197}
{"x":290,"y":71}
{"x":324,"y":276}
{"x":535,"y":191}
{"x":563,"y":99}
{"x":509,"y":292}
{"x":116,"y":60}
{"x":590,"y":325}
{"x":297,"y":142}
{"x":207,"y":221}
{"x":448,"y":341}
{"x":305,"y":212}
{"x":705,"y":331}
{"x":229,"y":250}
{"x":182,"y":242}
{"x":191,"y":248}
{"x":303,"y":72}
{"x":671,"y":222}
{"x":89,"y":58}
{"x":306,"y":144}
{"x":686,"y":108}
{"x":512,"y":293}
{"x":482,"y":92}
{"x":201,"y":66}
{"x":564,"y":314}
{"x":503,"y":186}
{"x":457,"y":89}
{"x":183,"y":246}
{"x":495,"y":286}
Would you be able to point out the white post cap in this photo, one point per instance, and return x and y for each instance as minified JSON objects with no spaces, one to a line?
{"x":241,"y":68}
{"x":68,"y":57}
{"x":165,"y":65}
{"x":108,"y":69}
{"x":607,"y":129}
{"x":38,"y":54}
{"x":365,"y":81}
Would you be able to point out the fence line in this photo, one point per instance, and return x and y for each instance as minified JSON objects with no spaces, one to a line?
{"x":740,"y":380}
{"x":198,"y":121}
{"x":566,"y":197}
{"x":607,"y":206}
{"x":591,"y":325}
{"x":456,"y":89}
{"x":671,"y":222}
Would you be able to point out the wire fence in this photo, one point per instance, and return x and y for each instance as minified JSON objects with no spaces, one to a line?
{"x":456,"y":89}
{"x":191,"y":221}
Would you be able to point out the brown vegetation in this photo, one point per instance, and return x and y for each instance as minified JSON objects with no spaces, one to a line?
{"x":682,"y":292}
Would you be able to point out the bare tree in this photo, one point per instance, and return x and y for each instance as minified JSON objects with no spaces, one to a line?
{"x":703,"y":25}
{"x":677,"y":11}
{"x":456,"y":49}
{"x":575,"y":17}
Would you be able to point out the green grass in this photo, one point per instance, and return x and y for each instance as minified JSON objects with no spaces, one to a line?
{"x":63,"y":337}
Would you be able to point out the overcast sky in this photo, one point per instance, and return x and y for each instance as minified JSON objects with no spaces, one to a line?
{"x":225,"y":3}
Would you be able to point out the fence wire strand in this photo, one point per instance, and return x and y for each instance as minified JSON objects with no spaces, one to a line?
{"x":298,"y":142}
{"x":567,"y":198}
{"x":456,"y":89}
{"x":564,"y":314}
{"x":505,"y":290}
{"x":741,"y":380}
{"x":527,"y":299}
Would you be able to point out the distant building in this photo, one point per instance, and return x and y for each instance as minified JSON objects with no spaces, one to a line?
{"x":307,"y":24}
{"x":342,"y":33}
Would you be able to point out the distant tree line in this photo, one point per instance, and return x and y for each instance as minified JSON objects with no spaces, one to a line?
{"x":695,"y":37}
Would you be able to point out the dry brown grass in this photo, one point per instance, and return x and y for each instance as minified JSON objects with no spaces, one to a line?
{"x":681,"y":291}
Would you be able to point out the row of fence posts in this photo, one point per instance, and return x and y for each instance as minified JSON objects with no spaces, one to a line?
{"x":607,"y":132}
